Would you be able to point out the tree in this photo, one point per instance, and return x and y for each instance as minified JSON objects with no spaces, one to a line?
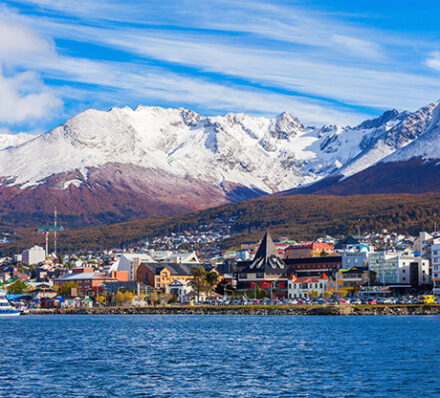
{"x":128,"y":297}
{"x":313,"y":294}
{"x":211,"y":280}
{"x":18,"y":287}
{"x":118,"y":298}
{"x":66,"y":289}
{"x":100,"y":299}
{"x":198,"y":282}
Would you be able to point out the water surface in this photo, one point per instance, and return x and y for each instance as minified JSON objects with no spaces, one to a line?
{"x":219,"y":356}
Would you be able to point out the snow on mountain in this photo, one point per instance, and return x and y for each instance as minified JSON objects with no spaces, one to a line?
{"x":11,"y":140}
{"x":398,"y":131}
{"x":265,"y":154}
{"x":427,"y":145}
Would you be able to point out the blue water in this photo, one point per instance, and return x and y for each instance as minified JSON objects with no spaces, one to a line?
{"x":219,"y":356}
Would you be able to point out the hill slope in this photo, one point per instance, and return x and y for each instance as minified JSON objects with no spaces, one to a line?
{"x":299,"y":217}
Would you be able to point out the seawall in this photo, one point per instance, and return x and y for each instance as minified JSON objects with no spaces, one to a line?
{"x":251,"y":310}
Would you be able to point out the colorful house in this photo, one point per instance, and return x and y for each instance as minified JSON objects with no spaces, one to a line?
{"x":308,"y":249}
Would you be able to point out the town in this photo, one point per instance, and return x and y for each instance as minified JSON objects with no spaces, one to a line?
{"x":187,"y":269}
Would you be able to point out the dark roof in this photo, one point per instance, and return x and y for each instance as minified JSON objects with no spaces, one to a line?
{"x":314,"y":260}
{"x":174,"y":268}
{"x":351,"y":240}
{"x":266,"y":259}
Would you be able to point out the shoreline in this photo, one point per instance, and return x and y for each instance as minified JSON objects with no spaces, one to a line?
{"x":330,"y":310}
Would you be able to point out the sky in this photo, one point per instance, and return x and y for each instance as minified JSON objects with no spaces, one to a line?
{"x":337,"y":62}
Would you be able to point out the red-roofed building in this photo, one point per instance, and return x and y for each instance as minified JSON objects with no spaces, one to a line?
{"x":299,"y":288}
{"x":307,"y":249}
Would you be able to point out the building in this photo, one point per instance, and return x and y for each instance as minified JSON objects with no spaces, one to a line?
{"x":308,"y":249}
{"x":349,"y":280}
{"x":182,"y":289}
{"x":160,"y":275}
{"x":129,"y":262}
{"x":314,"y":266}
{"x":435,"y":266}
{"x":354,"y":259}
{"x":34,"y":255}
{"x":393,"y":268}
{"x":267,"y":269}
{"x":89,"y":283}
{"x":309,"y":287}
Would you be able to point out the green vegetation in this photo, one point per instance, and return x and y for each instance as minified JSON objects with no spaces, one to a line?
{"x":299,"y":216}
{"x":18,"y":287}
{"x":66,"y":288}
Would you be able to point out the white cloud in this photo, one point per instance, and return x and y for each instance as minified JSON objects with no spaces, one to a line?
{"x":20,"y":41}
{"x":281,"y":48}
{"x":358,"y":47}
{"x":434,"y":60}
{"x":24,"y":97}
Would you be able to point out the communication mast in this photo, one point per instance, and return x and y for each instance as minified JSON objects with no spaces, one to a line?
{"x":46,"y":230}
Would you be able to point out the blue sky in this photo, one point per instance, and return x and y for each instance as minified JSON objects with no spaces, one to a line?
{"x":323,"y":61}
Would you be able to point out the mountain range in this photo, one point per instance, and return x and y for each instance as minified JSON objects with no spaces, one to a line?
{"x":106,"y":166}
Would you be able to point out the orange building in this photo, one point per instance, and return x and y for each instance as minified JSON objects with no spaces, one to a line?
{"x":309,"y":249}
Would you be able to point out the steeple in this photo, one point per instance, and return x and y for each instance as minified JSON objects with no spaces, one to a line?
{"x":267,"y":255}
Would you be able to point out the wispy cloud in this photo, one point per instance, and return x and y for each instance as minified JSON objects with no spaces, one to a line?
{"x":206,"y":55}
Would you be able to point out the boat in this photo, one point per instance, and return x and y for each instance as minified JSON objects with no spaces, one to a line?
{"x":6,"y":309}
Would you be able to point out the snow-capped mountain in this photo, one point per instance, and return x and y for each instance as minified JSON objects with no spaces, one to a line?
{"x":11,"y":140}
{"x":265,"y":154}
{"x":105,"y":166}
{"x":403,"y":159}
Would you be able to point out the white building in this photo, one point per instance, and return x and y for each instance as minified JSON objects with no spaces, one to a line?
{"x":435,"y":266}
{"x":34,"y":255}
{"x":182,"y":289}
{"x":394,"y":268}
{"x":354,"y":259}
{"x":298,"y":288}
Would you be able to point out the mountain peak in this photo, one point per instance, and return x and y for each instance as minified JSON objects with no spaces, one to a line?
{"x":386,"y":117}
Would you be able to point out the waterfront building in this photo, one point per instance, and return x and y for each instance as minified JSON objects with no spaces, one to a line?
{"x":435,"y":266}
{"x":182,"y":289}
{"x":90,"y":283}
{"x":308,"y":287}
{"x":349,"y":280}
{"x":267,"y":269}
{"x":34,"y":255}
{"x":160,"y":276}
{"x":314,"y":266}
{"x":393,"y":268}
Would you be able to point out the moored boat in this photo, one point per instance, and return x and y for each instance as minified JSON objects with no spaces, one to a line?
{"x":6,"y":309}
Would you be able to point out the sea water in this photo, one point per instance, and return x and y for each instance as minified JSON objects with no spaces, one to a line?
{"x":219,"y":356}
